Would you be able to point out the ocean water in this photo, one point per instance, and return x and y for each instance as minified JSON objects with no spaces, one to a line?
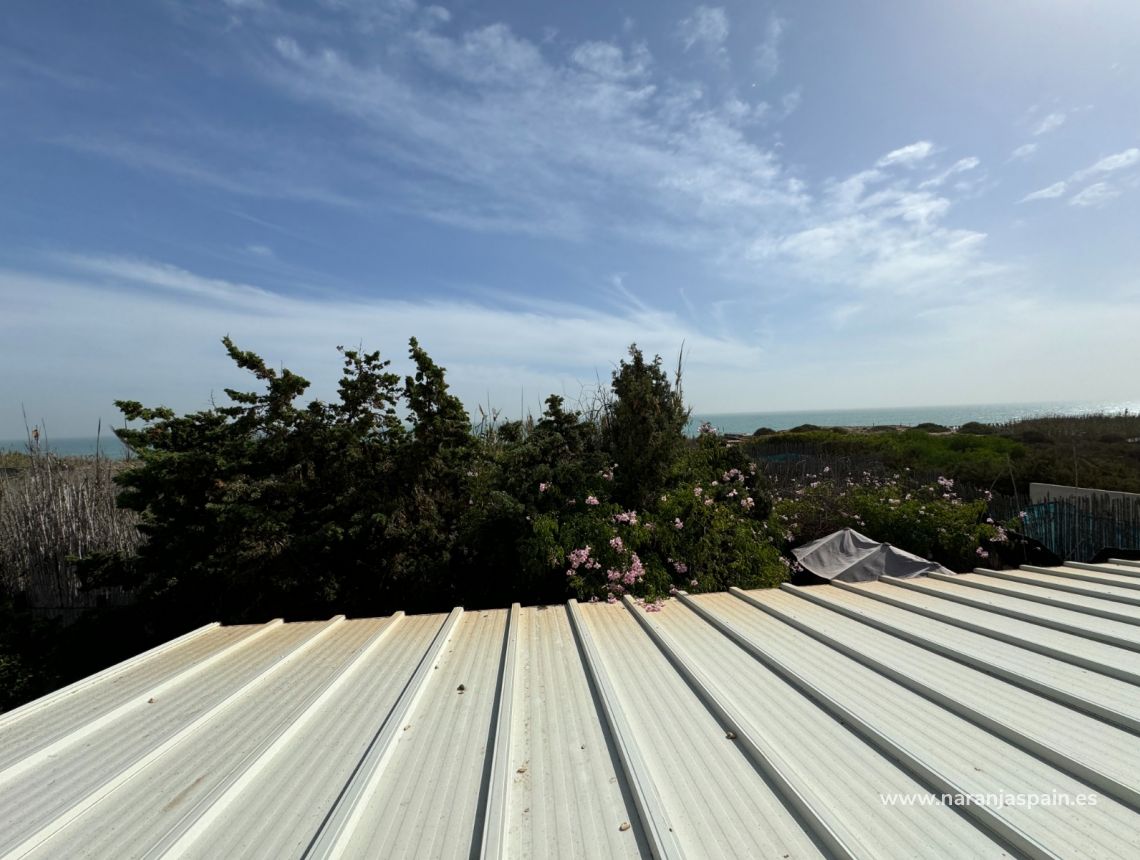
{"x":949,"y":416}
{"x":72,"y":446}
{"x":741,"y":422}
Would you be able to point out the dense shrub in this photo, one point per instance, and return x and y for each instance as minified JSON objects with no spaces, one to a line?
{"x":982,"y":461}
{"x":976,"y":428}
{"x":385,"y":498}
{"x":269,"y":507}
{"x":932,"y":521}
{"x":643,"y":427}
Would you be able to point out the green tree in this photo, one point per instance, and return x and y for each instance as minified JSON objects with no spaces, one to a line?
{"x":643,"y":427}
{"x":265,"y":507}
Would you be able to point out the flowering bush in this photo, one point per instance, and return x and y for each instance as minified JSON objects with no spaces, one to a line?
{"x":932,"y":521}
{"x":704,"y":530}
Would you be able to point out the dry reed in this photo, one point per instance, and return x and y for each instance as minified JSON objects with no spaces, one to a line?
{"x":54,"y":510}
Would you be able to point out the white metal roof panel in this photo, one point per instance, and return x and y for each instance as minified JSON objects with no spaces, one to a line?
{"x":1096,"y":628}
{"x":1119,"y":657}
{"x":748,"y":724}
{"x":567,"y":795}
{"x":1036,"y":591}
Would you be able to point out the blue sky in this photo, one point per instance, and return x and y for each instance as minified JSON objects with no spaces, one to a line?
{"x":835,"y":204}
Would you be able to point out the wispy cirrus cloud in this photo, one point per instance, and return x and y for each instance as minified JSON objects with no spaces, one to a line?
{"x":1057,"y":189}
{"x":603,"y":130}
{"x":884,"y":231}
{"x":483,"y":129}
{"x":1110,"y":163}
{"x":907,"y":155}
{"x":245,"y":177}
{"x":1023,"y":151}
{"x":1049,"y":123}
{"x":489,"y":351}
{"x":706,"y":29}
{"x":962,"y":165}
{"x":768,"y":53}
{"x":1096,"y":194}
{"x":606,"y":144}
{"x":492,"y":352}
{"x":1099,"y":192}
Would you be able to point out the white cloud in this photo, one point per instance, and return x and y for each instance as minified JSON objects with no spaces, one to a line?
{"x":595,"y":140}
{"x":274,"y":178}
{"x":606,"y":144}
{"x":1054,"y":190}
{"x":1096,"y":194}
{"x":907,"y":155}
{"x":1024,"y":151}
{"x":1049,"y":123}
{"x":706,"y":28}
{"x":962,"y":165}
{"x":172,"y":319}
{"x":609,"y":61}
{"x":882,"y":234}
{"x":791,"y":100}
{"x":611,"y":145}
{"x":159,"y":326}
{"x":1111,"y":163}
{"x":768,"y":54}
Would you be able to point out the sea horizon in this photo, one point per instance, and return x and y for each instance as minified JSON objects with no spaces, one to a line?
{"x":955,"y":415}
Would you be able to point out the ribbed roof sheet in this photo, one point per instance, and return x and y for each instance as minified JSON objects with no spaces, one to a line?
{"x":742,"y":724}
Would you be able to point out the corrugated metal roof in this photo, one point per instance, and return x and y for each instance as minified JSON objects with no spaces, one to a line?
{"x":743,"y":724}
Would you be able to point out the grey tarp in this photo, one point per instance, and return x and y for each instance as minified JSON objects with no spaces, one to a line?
{"x":849,"y":556}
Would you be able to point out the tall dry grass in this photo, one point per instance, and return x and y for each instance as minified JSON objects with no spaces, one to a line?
{"x":54,"y":510}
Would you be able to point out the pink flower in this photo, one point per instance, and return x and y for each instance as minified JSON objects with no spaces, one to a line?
{"x":708,"y":502}
{"x":615,"y":543}
{"x":692,"y":583}
{"x":680,"y":567}
{"x":636,"y":570}
{"x":697,"y":491}
{"x":982,"y":553}
{"x":747,"y":503}
{"x":591,"y":500}
{"x":542,"y":487}
{"x":578,"y":557}
{"x":677,"y":524}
